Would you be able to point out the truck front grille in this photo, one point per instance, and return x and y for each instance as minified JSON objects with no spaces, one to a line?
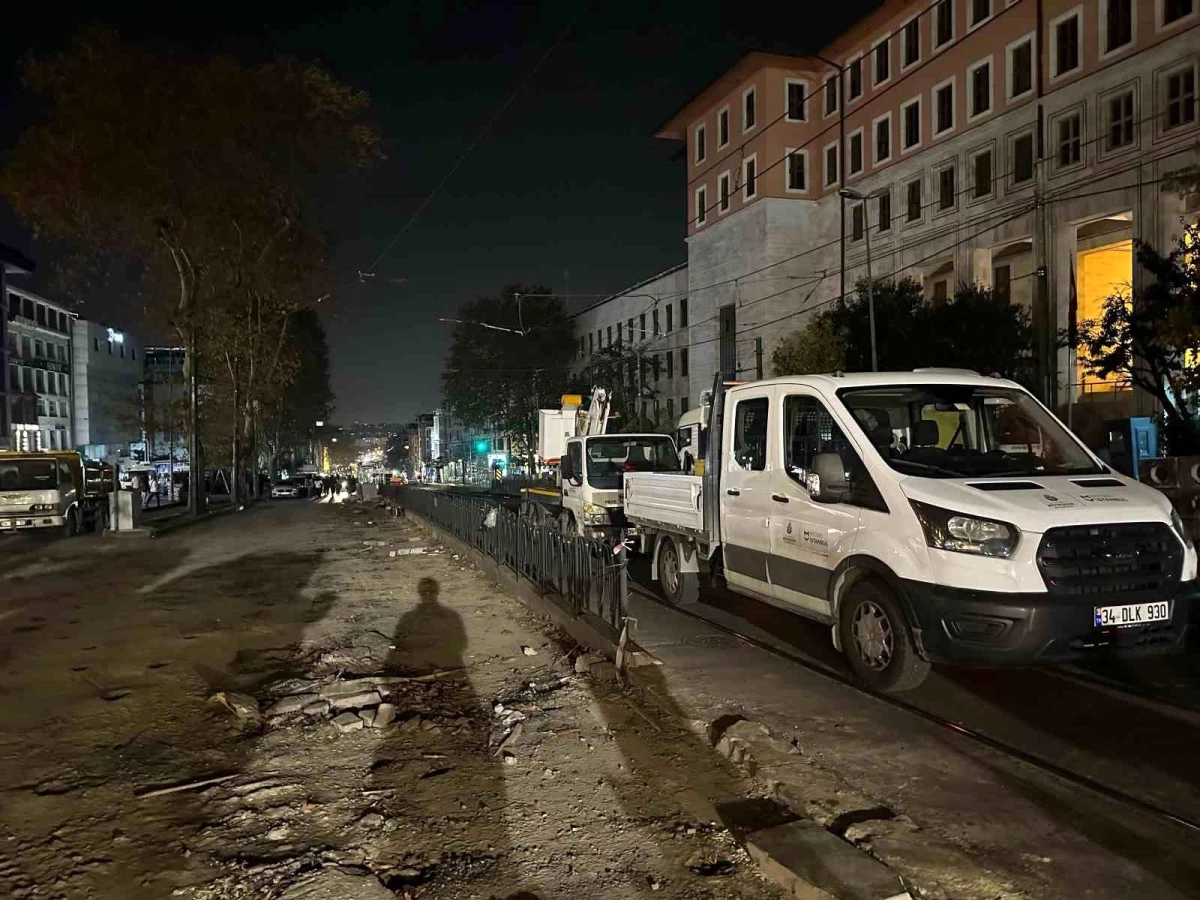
{"x":1086,"y":560}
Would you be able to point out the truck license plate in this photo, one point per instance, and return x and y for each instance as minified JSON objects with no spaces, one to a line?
{"x":1132,"y":614}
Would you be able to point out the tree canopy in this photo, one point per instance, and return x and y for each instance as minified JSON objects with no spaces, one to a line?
{"x":974,"y":329}
{"x":509,"y":356}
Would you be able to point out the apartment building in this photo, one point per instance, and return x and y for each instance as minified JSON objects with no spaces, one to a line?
{"x":653,"y":319}
{"x":1016,"y":144}
{"x":38,"y":345}
{"x":11,"y":263}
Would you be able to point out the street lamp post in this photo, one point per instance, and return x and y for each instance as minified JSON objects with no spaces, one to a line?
{"x":851,"y":194}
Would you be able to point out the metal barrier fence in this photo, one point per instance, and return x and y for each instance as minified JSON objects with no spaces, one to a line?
{"x":586,"y":577}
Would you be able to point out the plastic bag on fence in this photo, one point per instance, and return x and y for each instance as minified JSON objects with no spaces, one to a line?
{"x":489,"y":521}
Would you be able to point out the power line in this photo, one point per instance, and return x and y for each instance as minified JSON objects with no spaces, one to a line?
{"x":479,"y":136}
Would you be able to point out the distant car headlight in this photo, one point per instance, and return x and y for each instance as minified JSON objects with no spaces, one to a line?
{"x":948,"y":530}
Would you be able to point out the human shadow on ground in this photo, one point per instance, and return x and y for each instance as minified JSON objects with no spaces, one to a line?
{"x":435,"y":763}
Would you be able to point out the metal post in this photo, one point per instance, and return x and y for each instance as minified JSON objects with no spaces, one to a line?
{"x":758,"y":355}
{"x":870,"y":288}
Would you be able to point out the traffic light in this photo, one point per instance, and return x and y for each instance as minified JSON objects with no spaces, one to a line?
{"x":481,"y":446}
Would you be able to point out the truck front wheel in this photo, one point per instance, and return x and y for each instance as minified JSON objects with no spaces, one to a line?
{"x":877,"y":641}
{"x":678,"y":587}
{"x":70,"y":523}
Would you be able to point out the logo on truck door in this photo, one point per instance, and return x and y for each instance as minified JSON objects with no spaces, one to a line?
{"x":817,"y":541}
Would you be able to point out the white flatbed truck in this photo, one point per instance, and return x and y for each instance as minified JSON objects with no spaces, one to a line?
{"x":929,"y":516}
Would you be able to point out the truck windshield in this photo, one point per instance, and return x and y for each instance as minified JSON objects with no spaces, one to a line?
{"x":965,"y":431}
{"x":28,"y":475}
{"x":609,"y":458}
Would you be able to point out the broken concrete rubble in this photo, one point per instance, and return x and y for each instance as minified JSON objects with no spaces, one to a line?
{"x":348,"y":721}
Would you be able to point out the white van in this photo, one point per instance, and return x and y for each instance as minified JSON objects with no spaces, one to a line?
{"x":925,"y":516}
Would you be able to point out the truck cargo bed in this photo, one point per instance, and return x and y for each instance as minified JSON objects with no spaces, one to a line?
{"x":672,"y":500}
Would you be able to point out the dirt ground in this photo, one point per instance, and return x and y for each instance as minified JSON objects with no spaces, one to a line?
{"x":125,"y":662}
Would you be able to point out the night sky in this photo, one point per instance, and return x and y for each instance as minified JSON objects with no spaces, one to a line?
{"x":569,"y":188}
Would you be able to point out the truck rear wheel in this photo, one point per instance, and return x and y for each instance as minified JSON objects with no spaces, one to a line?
{"x":877,"y":641}
{"x":678,"y":587}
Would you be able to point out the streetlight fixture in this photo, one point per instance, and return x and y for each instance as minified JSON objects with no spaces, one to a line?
{"x":851,"y":194}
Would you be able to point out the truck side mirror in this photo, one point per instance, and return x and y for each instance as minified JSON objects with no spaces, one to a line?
{"x":566,"y":467}
{"x":827,"y":478}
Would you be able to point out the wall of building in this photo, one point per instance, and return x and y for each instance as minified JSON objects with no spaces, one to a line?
{"x":38,"y":342}
{"x":108,"y":370}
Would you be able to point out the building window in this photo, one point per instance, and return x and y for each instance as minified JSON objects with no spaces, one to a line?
{"x":831,"y":164}
{"x":854,"y":73}
{"x":656,"y":366}
{"x":1022,"y":153}
{"x":748,"y":111}
{"x":1181,"y":97}
{"x":723,"y":128}
{"x":654,"y":323}
{"x":1065,"y":48}
{"x":1172,"y":11}
{"x":940,"y":291}
{"x":698,"y":139}
{"x":856,"y":222}
{"x":981,"y":10}
{"x":619,"y":341}
{"x":642,"y":326}
{"x":797,"y":166}
{"x":701,"y":205}
{"x":671,"y":409}
{"x":943,"y":108}
{"x":885,"y":211}
{"x":39,"y":349}
{"x":1116,"y":24}
{"x":1119,"y":111}
{"x":943,"y":23}
{"x":980,"y":77}
{"x":913,"y":195}
{"x":683,"y":405}
{"x":911,"y":38}
{"x":883,"y":139}
{"x":946,"y":189}
{"x":1002,"y":283}
{"x":723,"y":193}
{"x":883,"y":62}
{"x":749,"y":178}
{"x":1020,"y":68}
{"x":41,"y":314}
{"x":95,"y":345}
{"x":910,"y":112}
{"x":981,"y":166}
{"x":609,"y":335}
{"x":831,"y":96}
{"x":856,"y":153}
{"x":1070,"y":130}
{"x":683,"y":355}
{"x":797,"y":100}
{"x":40,"y":380}
{"x":670,"y":320}
{"x":670,"y":364}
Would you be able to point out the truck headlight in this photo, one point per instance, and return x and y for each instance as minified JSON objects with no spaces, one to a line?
{"x":1177,"y":525}
{"x":595,"y":515}
{"x":42,"y":507}
{"x":948,"y":530}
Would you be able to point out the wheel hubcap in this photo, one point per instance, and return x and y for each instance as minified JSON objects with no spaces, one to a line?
{"x":670,"y":569}
{"x":873,"y":635}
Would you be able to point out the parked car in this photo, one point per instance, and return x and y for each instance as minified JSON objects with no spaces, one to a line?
{"x":286,"y":488}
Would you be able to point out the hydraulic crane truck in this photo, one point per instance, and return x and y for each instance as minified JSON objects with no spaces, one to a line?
{"x":589,"y":466}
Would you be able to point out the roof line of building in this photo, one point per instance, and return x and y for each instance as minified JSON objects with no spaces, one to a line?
{"x":38,"y":298}
{"x":626,"y":292}
{"x":15,"y":261}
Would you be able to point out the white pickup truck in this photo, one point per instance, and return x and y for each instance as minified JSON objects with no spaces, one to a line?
{"x":925,"y":516}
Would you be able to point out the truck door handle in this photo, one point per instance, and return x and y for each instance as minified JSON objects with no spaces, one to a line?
{"x":779,"y":498}
{"x":733,"y":493}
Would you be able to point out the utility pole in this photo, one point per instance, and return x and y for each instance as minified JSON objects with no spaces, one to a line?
{"x":1044,"y":318}
{"x":758,"y":353}
{"x":851,"y":194}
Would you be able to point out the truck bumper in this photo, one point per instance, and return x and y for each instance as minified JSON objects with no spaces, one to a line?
{"x":25,"y":523}
{"x":958,"y":625}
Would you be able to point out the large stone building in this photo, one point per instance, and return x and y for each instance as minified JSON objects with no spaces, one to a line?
{"x":997,"y":148}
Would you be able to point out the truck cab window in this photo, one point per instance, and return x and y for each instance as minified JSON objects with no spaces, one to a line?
{"x":576,"y":454}
{"x":750,"y":434}
{"x":809,"y":430}
{"x":64,"y":476}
